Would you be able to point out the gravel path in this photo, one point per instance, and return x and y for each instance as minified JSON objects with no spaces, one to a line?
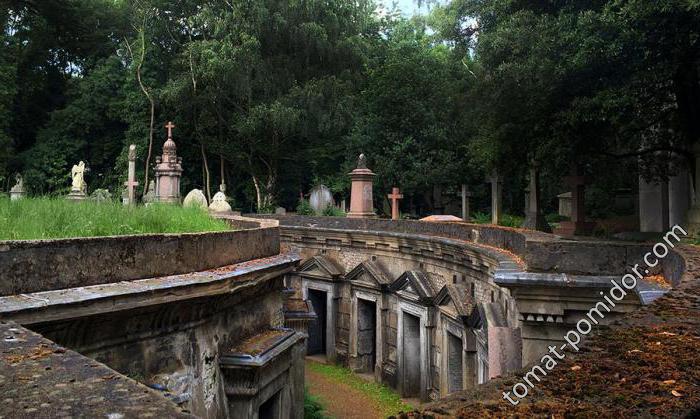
{"x":340,"y":400}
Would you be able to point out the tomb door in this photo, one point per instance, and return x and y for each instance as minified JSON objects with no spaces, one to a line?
{"x":411,"y":355}
{"x":317,"y":329}
{"x":454,"y":363}
{"x":366,"y":334}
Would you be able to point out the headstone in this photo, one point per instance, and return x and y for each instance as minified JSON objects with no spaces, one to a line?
{"x":694,"y":211}
{"x":361,"y":195}
{"x":320,"y":198}
{"x":101,"y":195}
{"x":280,"y":211}
{"x":577,"y":225}
{"x":78,"y":190}
{"x":395,"y":196}
{"x":653,"y":206}
{"x":195,"y":198}
{"x":168,"y":171}
{"x":534,"y":219}
{"x":131,"y":182}
{"x":219,"y":204}
{"x":679,"y":197}
{"x":465,"y":203}
{"x":150,"y":196}
{"x":17,"y":191}
{"x":496,"y":197}
{"x":565,"y":204}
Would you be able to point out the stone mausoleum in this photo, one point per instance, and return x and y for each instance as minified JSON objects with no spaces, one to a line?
{"x":218,"y":324}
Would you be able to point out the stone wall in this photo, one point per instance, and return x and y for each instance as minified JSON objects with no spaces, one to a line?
{"x":177,"y":345}
{"x":40,"y":265}
{"x":541,"y":252}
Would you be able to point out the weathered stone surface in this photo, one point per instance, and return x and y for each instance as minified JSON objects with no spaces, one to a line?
{"x":104,"y":260}
{"x":39,"y":378}
{"x":195,"y":198}
{"x":320,"y":198}
{"x":219,"y":204}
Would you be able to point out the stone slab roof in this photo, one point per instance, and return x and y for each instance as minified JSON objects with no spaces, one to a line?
{"x":39,"y":378}
{"x":642,"y":366}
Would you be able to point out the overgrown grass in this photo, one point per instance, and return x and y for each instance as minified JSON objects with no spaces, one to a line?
{"x":507,"y":220}
{"x":386,"y":399}
{"x":45,"y":218}
{"x":313,"y":406}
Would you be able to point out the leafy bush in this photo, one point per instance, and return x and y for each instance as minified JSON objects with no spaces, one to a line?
{"x":481,"y":218}
{"x":313,"y":409}
{"x":304,"y":208}
{"x":508,"y":220}
{"x":332,"y":211}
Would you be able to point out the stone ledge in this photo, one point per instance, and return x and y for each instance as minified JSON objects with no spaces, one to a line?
{"x":82,"y":301}
{"x":39,"y":378}
{"x":40,"y":265}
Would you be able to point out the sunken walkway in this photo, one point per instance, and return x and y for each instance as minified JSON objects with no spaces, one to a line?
{"x":187,"y":325}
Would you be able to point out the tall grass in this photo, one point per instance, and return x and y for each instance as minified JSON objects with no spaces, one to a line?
{"x":46,"y":218}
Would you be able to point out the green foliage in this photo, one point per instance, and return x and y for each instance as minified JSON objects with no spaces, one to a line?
{"x":556,"y":218}
{"x":304,"y":208}
{"x":43,"y":218}
{"x":481,"y":218}
{"x":386,"y":399}
{"x":332,"y":211}
{"x":313,"y":408}
{"x":508,"y":220}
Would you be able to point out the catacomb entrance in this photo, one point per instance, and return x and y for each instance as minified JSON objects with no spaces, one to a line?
{"x":317,"y":329}
{"x":271,"y":408}
{"x":366,"y":335}
{"x":411,"y":355}
{"x":454,"y":363}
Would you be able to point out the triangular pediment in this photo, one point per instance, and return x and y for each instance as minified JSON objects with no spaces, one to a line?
{"x":455,"y":300}
{"x":416,"y":283}
{"x":320,"y":266}
{"x":370,"y":274}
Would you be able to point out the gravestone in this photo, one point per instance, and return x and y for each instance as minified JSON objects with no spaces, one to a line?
{"x":195,"y":198}
{"x":679,"y":198}
{"x":168,"y":171}
{"x":219,"y":203}
{"x":534,"y":219}
{"x":496,"y":197}
{"x":578,"y":224}
{"x":280,"y":211}
{"x":320,"y":198}
{"x":465,"y":203}
{"x":361,"y":194}
{"x":101,"y":195}
{"x":131,"y":182}
{"x":150,"y":196}
{"x":653,"y":206}
{"x":395,"y":196}
{"x":78,"y":190}
{"x":565,"y":204}
{"x":17,"y":191}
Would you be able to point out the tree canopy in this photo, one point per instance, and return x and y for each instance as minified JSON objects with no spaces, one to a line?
{"x":274,"y":96}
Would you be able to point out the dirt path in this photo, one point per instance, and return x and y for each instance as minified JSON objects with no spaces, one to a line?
{"x":340,"y":400}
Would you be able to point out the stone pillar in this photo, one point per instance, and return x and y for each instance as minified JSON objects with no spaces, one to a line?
{"x":534,"y":219}
{"x":694,"y":212}
{"x":168,"y":171}
{"x":465,"y":203}
{"x":361,"y":195}
{"x":653,"y":206}
{"x":395,"y":196}
{"x":131,"y":182}
{"x":496,"y":197}
{"x":679,"y":198}
{"x":578,"y":224}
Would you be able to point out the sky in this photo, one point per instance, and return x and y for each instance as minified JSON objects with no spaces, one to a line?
{"x":408,"y":7}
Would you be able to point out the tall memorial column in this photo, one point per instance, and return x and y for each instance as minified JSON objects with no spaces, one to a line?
{"x":578,"y":224}
{"x":534,"y":219}
{"x":168,"y":171}
{"x":361,"y":195}
{"x":496,"y":181}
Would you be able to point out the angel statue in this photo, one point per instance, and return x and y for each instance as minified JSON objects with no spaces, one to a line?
{"x":78,"y":175}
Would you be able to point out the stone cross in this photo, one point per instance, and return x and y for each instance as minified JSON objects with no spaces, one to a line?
{"x":578,"y":224}
{"x":534,"y":219}
{"x":170,"y":127}
{"x":496,"y":197}
{"x":465,"y":202}
{"x":395,"y":196}
{"x":131,"y":183}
